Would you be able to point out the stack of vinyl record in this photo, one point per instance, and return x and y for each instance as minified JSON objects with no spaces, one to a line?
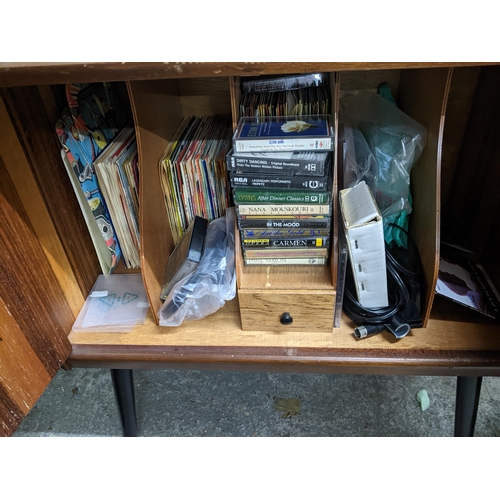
{"x":193,"y":172}
{"x":281,"y":178}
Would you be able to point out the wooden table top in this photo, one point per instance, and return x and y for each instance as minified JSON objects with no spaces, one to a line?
{"x":456,"y":342}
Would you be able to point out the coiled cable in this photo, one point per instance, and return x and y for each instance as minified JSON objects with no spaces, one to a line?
{"x":374,"y":320}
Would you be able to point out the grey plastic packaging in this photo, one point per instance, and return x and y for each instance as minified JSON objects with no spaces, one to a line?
{"x":212,"y":283}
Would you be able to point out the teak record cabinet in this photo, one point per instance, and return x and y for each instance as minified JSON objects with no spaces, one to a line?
{"x":48,"y":264}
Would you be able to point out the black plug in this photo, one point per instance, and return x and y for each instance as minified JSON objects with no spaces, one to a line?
{"x":398,"y":326}
{"x":364,"y":331}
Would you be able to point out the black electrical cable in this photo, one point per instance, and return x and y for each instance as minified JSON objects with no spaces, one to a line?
{"x":371,"y":318}
{"x":398,"y":296}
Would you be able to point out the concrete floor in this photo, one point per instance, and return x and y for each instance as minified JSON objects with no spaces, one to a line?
{"x":81,"y":402}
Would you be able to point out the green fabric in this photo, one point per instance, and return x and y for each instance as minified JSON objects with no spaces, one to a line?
{"x":391,"y":233}
{"x":385,"y":91}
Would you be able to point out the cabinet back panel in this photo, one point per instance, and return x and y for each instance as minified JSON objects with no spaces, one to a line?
{"x":204,"y":96}
{"x":473,"y":200}
{"x":462,"y":89}
{"x":369,"y":80}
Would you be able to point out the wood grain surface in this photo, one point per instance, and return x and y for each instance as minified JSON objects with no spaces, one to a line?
{"x":27,"y":188}
{"x":27,"y":73}
{"x":423,"y":95}
{"x":37,"y":307}
{"x":455,"y":341}
{"x":23,"y":377}
{"x":28,"y":286}
{"x":35,"y":316}
{"x":299,"y":360}
{"x":157,"y":112}
{"x":158,"y":108}
{"x":310,"y":310}
{"x":37,"y":136}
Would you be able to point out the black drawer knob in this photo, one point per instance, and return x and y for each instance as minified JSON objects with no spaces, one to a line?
{"x":286,"y":319}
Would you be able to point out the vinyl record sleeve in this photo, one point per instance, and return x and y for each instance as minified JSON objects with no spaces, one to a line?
{"x":463,"y":280}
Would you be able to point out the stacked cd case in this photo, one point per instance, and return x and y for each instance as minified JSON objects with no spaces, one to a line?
{"x":306,"y":94}
{"x":280,"y":171}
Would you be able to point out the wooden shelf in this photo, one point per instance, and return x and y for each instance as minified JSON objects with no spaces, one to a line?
{"x":456,"y":340}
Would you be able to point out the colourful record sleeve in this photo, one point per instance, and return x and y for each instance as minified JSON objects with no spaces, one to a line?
{"x":88,"y":124}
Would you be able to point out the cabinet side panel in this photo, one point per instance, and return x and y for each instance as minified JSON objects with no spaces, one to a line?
{"x":335,"y":93}
{"x":28,"y":286}
{"x":10,"y":414}
{"x":423,"y":95}
{"x":157,"y":113}
{"x":235,"y":92}
{"x":18,"y":166}
{"x":38,"y":138}
{"x":23,"y":377}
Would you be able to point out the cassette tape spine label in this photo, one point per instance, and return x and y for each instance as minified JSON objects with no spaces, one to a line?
{"x":293,"y":163}
{"x":283,"y":133}
{"x":298,"y":253}
{"x":251,"y":180}
{"x":242,"y":195}
{"x":319,"y":222}
{"x":286,"y":262}
{"x":284,"y":233}
{"x":280,"y":243}
{"x":280,"y":209}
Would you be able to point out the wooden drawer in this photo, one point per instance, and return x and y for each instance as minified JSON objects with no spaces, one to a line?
{"x":310,"y":310}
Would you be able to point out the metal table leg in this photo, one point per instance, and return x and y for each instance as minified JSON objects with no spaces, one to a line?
{"x":123,"y":385}
{"x":468,"y":392}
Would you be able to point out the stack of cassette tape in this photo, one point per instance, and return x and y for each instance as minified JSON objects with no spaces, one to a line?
{"x":280,"y":170}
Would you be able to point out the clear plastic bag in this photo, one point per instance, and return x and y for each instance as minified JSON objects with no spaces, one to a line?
{"x":116,"y":303}
{"x":212,"y":283}
{"x":396,"y":142}
{"x":359,"y":162}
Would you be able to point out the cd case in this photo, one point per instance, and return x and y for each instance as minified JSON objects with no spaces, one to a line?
{"x":117,"y":303}
{"x":284,"y":83}
{"x":186,"y":255}
{"x":284,"y":133}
